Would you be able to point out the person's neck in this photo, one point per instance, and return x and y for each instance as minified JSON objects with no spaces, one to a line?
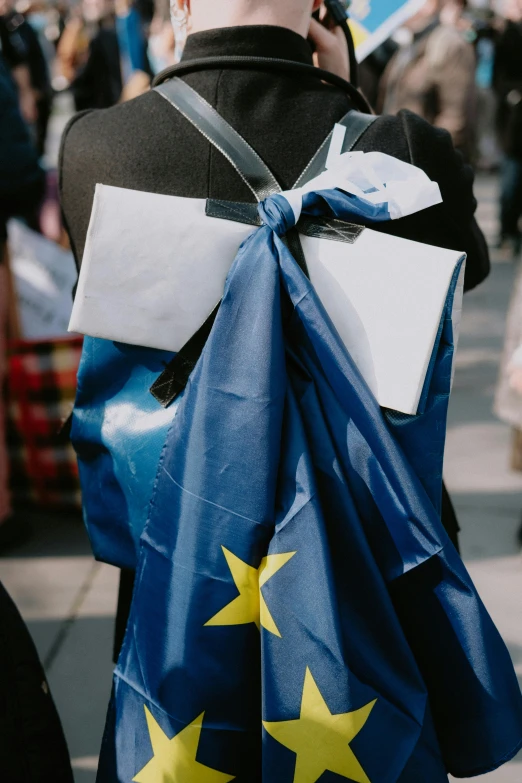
{"x":235,"y":13}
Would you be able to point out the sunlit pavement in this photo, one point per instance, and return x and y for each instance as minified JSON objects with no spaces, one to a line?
{"x":69,"y":601}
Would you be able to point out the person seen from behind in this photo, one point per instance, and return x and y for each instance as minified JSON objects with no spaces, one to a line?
{"x":507,"y":81}
{"x":284,"y":117}
{"x":24,"y":56}
{"x":109,"y":49}
{"x":21,"y":190}
{"x":433,"y":73}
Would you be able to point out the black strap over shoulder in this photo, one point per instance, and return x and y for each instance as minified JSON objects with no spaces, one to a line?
{"x":245,"y":63}
{"x":254,"y":172}
{"x":356,"y":124}
{"x":251,"y":168}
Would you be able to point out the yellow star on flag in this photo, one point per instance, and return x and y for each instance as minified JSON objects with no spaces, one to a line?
{"x":321,"y":740}
{"x":175,"y":759}
{"x":250,"y":606}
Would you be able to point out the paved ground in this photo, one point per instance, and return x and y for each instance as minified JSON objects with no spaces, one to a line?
{"x":69,"y":601}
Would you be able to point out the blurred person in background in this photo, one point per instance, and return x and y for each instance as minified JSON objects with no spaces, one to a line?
{"x":433,"y":74}
{"x":98,"y":82}
{"x":73,"y":46}
{"x":507,"y":79}
{"x":56,"y":20}
{"x":508,"y":397}
{"x":161,"y":45}
{"x":132,"y":29}
{"x":486,"y":29}
{"x":102,"y":52}
{"x":508,"y":84}
{"x":21,"y":189}
{"x":14,"y":58}
{"x":162,"y":42}
{"x":372,"y":69}
{"x":24,"y":55}
{"x":146,"y":10}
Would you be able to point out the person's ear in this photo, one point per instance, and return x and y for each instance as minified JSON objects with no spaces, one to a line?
{"x":317,"y":5}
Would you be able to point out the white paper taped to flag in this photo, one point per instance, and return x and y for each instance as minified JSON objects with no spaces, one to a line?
{"x":155,"y":267}
{"x":375,"y":177}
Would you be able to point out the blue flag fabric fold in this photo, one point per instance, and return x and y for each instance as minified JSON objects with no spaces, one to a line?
{"x":299,"y":613}
{"x":118,"y":432}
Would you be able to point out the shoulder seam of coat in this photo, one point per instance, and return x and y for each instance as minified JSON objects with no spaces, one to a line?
{"x":78,"y":116}
{"x":61,"y":155}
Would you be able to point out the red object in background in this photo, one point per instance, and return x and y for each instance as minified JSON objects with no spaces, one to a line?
{"x":40,"y":397}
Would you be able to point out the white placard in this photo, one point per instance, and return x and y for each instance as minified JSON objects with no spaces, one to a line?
{"x":44,"y":276}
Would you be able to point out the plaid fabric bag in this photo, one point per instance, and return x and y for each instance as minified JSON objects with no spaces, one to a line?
{"x":40,"y":396}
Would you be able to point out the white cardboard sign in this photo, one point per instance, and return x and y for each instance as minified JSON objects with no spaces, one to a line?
{"x":44,"y":276}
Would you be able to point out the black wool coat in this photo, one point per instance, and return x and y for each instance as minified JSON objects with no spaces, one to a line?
{"x":22,"y":180}
{"x":507,"y":80}
{"x":99,"y":82}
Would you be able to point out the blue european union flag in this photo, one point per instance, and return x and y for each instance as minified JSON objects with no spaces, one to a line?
{"x":299,"y":613}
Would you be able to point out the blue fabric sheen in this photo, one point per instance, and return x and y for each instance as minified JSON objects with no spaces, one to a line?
{"x":278,"y":215}
{"x":279,"y":446}
{"x":118,"y":432}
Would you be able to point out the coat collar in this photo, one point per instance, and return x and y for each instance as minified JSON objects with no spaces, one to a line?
{"x":249,"y":41}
